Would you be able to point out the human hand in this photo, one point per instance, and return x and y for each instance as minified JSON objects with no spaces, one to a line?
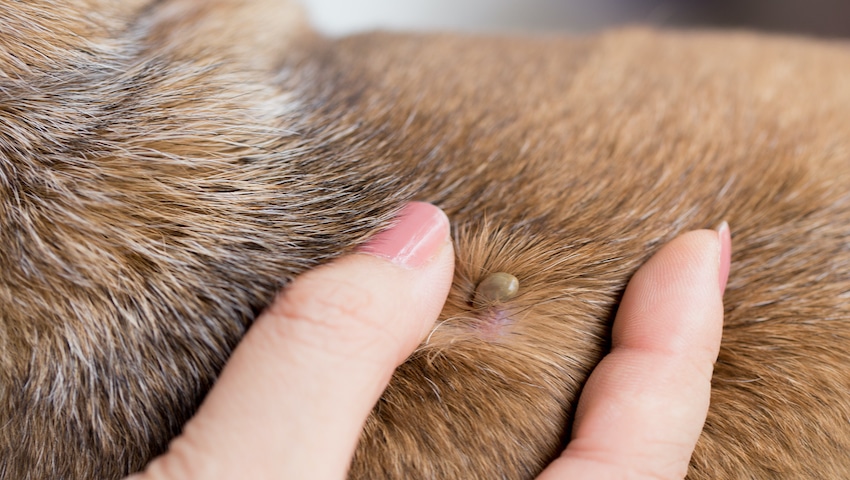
{"x":292,"y":400}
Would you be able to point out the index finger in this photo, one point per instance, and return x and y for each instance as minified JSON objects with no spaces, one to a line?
{"x":644,"y":405}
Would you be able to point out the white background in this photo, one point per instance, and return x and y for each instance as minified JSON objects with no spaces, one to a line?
{"x":345,"y":16}
{"x":829,"y":18}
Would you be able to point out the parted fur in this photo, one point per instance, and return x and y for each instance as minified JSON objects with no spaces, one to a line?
{"x":167,"y":166}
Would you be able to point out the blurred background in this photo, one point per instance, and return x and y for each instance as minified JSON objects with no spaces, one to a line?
{"x":824,"y":18}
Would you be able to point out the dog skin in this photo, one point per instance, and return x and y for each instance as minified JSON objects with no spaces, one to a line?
{"x":166,"y":167}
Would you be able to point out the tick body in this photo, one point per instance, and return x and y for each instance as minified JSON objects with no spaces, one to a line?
{"x":496,"y":287}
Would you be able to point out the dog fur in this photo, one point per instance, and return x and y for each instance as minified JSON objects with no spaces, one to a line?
{"x":167,"y":166}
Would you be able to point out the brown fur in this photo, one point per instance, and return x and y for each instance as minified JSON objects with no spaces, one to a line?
{"x":166,"y":166}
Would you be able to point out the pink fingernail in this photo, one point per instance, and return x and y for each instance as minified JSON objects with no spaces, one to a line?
{"x":421,"y":230}
{"x":725,"y":254}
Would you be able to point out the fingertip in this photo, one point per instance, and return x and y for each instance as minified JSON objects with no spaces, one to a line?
{"x":672,"y":304}
{"x":419,"y":233}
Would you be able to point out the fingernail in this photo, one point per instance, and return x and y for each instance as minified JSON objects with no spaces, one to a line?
{"x":421,"y":231}
{"x":725,"y":254}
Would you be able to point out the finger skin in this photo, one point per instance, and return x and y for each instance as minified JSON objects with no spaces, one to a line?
{"x":292,"y":400}
{"x":644,"y":405}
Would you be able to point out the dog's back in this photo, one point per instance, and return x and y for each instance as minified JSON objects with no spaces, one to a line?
{"x":159,"y":183}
